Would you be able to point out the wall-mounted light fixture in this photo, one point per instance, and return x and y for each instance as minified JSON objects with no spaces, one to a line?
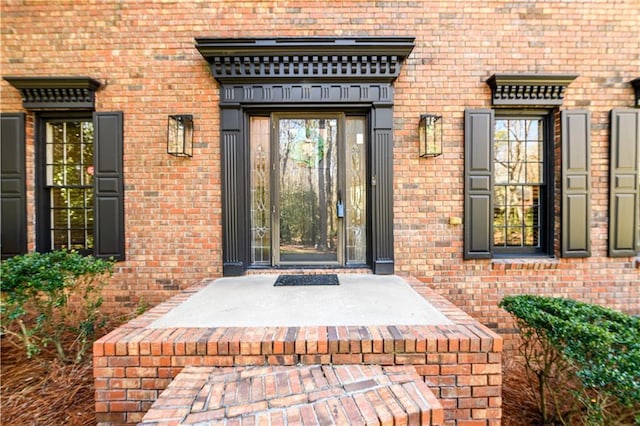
{"x":636,"y":87}
{"x":180,"y":135}
{"x":430,"y":129}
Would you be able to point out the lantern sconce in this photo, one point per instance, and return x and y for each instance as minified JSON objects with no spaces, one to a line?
{"x":430,"y":129}
{"x":180,"y":135}
{"x":636,"y":87}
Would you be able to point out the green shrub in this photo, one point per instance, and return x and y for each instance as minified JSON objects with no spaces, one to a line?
{"x":47,"y":296}
{"x":591,"y":351}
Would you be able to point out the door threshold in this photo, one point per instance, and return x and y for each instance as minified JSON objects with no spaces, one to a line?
{"x":307,"y":270}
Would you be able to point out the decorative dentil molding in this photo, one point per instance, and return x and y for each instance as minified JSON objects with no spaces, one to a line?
{"x":528,"y":89}
{"x":50,"y":93}
{"x":322,"y":59}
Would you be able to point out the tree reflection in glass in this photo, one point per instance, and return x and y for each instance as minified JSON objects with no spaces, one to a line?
{"x":518,"y":176}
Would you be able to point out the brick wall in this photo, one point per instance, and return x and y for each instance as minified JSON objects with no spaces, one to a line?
{"x":144,"y":54}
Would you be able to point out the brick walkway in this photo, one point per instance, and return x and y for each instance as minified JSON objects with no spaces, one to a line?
{"x":310,"y":395}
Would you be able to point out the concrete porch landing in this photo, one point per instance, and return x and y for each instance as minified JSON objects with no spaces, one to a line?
{"x":458,"y":358}
{"x":253,"y":301}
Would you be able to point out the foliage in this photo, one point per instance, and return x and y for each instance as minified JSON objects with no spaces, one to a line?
{"x":46,"y":296}
{"x":580,"y":349}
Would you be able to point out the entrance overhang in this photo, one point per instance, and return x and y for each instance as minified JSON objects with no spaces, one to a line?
{"x":319,"y":59}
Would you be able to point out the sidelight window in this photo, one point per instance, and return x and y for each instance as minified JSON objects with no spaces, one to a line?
{"x":260,"y":191}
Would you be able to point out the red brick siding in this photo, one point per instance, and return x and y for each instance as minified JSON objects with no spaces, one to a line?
{"x":144,"y":54}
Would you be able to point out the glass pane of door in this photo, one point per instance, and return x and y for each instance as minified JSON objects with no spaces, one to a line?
{"x":308,"y":191}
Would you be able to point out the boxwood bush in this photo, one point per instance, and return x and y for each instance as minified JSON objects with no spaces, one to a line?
{"x":592,"y":351}
{"x":46,"y":297}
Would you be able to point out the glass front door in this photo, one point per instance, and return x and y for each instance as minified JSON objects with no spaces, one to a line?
{"x":308,"y":196}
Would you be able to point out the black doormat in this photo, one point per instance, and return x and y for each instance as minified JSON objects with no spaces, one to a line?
{"x":315,"y":279}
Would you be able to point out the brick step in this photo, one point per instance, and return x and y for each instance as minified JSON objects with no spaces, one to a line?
{"x":309,"y":394}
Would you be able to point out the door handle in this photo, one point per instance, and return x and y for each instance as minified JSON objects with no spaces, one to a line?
{"x":340,"y":205}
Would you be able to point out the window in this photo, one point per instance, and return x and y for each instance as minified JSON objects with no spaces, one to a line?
{"x":79,"y":186}
{"x":520,"y":185}
{"x":509,"y":175}
{"x":69,"y":184}
{"x":509,"y":201}
{"x":79,"y":170}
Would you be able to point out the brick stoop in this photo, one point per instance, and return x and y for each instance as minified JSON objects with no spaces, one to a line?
{"x":280,"y":395}
{"x":459,"y":362}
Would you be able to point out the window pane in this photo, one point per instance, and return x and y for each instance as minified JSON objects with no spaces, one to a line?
{"x":73,"y":152}
{"x":500,"y":236}
{"x":515,"y":166}
{"x":58,"y":197}
{"x":501,"y":173}
{"x":58,"y":174}
{"x":532,"y":218}
{"x":518,"y":179}
{"x":58,"y":218}
{"x":499,"y":222}
{"x":59,"y":239}
{"x":499,"y":199}
{"x":534,"y":173}
{"x":73,"y":175}
{"x":88,"y":176}
{"x":69,"y":177}
{"x":534,"y":151}
{"x":502,"y":129}
{"x":78,"y":238}
{"x":514,"y":236}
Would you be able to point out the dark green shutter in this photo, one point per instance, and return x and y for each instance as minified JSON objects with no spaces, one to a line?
{"x":624,"y":205}
{"x":13,"y":200}
{"x":478,"y":178}
{"x":576,"y":183}
{"x":108,"y":186}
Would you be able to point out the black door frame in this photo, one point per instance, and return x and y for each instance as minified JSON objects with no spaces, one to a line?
{"x":310,"y":73}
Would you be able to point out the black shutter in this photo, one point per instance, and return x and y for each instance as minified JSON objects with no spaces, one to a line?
{"x":624,"y":204}
{"x":13,"y":200}
{"x":108,"y":186}
{"x":478,"y":180}
{"x":576,"y":183}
